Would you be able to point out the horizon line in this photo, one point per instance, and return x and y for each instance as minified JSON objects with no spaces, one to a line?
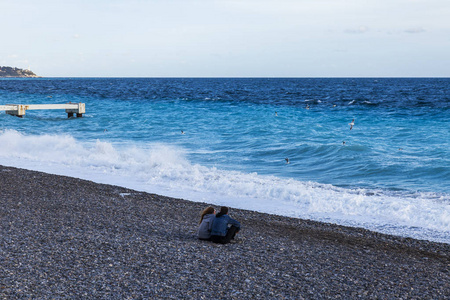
{"x":235,"y":77}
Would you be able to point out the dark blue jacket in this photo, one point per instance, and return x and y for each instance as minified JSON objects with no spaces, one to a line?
{"x":220,"y":225}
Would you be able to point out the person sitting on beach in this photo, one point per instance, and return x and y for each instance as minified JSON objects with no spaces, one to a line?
{"x":206,"y":221}
{"x":221,"y":232}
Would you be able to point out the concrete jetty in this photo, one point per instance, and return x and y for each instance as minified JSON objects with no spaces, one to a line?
{"x":19,"y":109}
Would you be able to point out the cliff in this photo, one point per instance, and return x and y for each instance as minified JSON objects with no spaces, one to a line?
{"x":15,"y":72}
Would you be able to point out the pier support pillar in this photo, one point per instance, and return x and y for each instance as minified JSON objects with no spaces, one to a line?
{"x":19,"y":110}
{"x":80,"y":110}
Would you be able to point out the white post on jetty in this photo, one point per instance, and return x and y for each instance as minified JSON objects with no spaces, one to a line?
{"x":19,"y":109}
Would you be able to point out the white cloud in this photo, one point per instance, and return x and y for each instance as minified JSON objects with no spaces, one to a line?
{"x":359,"y":30}
{"x":415,"y":30}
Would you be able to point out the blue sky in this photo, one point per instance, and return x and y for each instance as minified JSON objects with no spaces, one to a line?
{"x":218,"y":38}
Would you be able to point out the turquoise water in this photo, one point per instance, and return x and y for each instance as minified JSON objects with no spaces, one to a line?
{"x":225,"y":141}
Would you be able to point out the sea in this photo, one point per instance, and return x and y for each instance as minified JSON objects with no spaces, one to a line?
{"x":283,"y":146}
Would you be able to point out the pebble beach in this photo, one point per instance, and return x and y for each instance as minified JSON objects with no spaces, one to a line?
{"x":67,"y":238}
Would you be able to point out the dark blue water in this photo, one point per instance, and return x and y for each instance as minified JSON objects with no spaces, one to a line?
{"x":378,"y":92}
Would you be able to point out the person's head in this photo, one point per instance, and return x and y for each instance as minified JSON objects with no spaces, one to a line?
{"x":223,"y":211}
{"x":207,"y":211}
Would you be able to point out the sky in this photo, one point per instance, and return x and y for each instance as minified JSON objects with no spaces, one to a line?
{"x":227,"y":38}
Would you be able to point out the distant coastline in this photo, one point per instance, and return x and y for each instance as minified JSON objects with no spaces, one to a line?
{"x":16,"y":72}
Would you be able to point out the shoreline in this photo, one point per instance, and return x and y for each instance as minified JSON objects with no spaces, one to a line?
{"x":63,"y":237}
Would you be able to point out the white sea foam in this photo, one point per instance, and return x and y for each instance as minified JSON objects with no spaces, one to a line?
{"x":164,"y":169}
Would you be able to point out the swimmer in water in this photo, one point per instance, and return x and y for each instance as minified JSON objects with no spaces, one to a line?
{"x":182,"y":132}
{"x":287,"y":160}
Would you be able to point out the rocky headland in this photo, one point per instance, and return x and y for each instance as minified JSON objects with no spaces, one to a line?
{"x":15,"y":72}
